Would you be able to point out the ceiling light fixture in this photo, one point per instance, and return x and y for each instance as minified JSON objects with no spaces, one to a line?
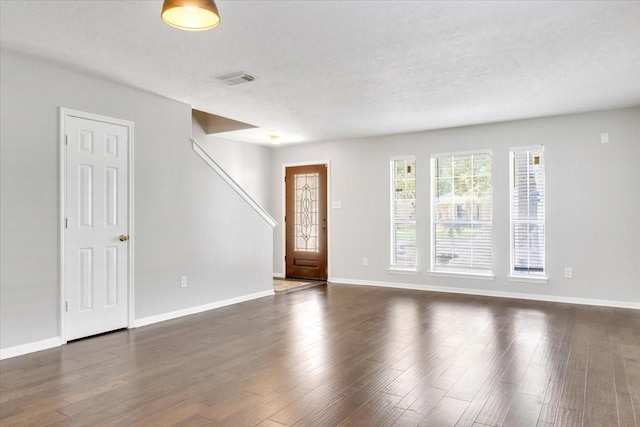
{"x":275,"y":139}
{"x":191,"y":15}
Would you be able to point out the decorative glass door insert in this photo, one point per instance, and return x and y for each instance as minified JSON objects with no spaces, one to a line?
{"x":306,"y":212}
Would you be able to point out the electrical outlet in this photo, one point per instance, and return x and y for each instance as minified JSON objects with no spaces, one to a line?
{"x":365,"y":261}
{"x":568,"y":272}
{"x":183,"y":282}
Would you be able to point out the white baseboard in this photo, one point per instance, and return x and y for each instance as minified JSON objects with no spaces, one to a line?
{"x":199,"y":309}
{"x":31,"y":347}
{"x":279,"y":275}
{"x":487,"y":293}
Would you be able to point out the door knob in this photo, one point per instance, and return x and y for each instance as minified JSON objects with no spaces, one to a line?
{"x":124,"y":237}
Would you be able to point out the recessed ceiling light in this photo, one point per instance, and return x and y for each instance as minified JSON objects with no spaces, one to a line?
{"x":275,"y":139}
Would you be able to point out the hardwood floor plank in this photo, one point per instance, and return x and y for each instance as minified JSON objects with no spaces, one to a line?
{"x":635,"y":401}
{"x":554,"y":389}
{"x":541,"y":367}
{"x":36,"y":419}
{"x":427,"y":399}
{"x":196,"y":421}
{"x":551,"y":401}
{"x":520,"y":362}
{"x":373,"y":412}
{"x":626,"y":417}
{"x":265,"y":408}
{"x":579,"y":348}
{"x":391,"y":417}
{"x":93,"y":392}
{"x":15,"y":400}
{"x":232,"y":404}
{"x":35,"y":413}
{"x":409,"y":418}
{"x":487,"y":389}
{"x":573,"y":389}
{"x":301,"y":408}
{"x":352,"y":398}
{"x":524,"y":411}
{"x":343,"y":355}
{"x":446,"y":413}
{"x":568,"y":417}
{"x":601,"y":415}
{"x":269,"y":423}
{"x":619,"y":373}
{"x":600,"y":388}
{"x":497,"y":406}
{"x":449,"y":377}
{"x":175,"y":415}
{"x":469,"y":384}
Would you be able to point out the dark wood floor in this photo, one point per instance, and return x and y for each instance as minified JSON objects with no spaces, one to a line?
{"x":344,"y":355}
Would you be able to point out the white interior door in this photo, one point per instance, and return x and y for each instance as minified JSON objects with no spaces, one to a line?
{"x":96,"y":228}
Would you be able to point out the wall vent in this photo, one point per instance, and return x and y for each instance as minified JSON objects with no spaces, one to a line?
{"x":236,"y":78}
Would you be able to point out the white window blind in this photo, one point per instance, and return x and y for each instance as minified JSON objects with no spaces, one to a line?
{"x":527,"y":211}
{"x":403,"y":213}
{"x":462,"y":213}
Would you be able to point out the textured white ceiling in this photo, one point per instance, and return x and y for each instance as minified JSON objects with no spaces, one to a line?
{"x":328,"y":70}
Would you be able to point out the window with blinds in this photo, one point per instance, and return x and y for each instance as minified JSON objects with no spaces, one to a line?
{"x":403,"y":214}
{"x":527,"y":211}
{"x":461,"y":205}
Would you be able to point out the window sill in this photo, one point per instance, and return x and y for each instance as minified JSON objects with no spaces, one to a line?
{"x":459,"y":275}
{"x":528,"y":279}
{"x":399,"y":270}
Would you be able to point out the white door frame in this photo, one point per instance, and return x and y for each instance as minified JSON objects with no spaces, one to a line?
{"x":64,"y":113}
{"x":284,"y":210}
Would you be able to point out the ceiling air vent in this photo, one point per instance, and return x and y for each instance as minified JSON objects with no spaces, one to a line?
{"x":236,"y":78}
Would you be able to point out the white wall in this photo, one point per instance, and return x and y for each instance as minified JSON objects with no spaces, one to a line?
{"x":188,"y":222}
{"x":593,"y":201}
{"x":248,"y":164}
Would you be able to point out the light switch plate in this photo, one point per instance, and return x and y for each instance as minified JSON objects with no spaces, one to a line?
{"x":336,"y":204}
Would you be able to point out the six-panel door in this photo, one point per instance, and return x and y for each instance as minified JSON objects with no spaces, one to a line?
{"x":96,"y":230}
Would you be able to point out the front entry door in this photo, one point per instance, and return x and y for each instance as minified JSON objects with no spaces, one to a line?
{"x":306,"y":220}
{"x":96,"y":209}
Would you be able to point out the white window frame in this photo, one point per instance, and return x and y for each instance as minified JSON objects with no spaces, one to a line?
{"x":513,"y":275}
{"x":393,"y":267}
{"x":488,"y":275}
